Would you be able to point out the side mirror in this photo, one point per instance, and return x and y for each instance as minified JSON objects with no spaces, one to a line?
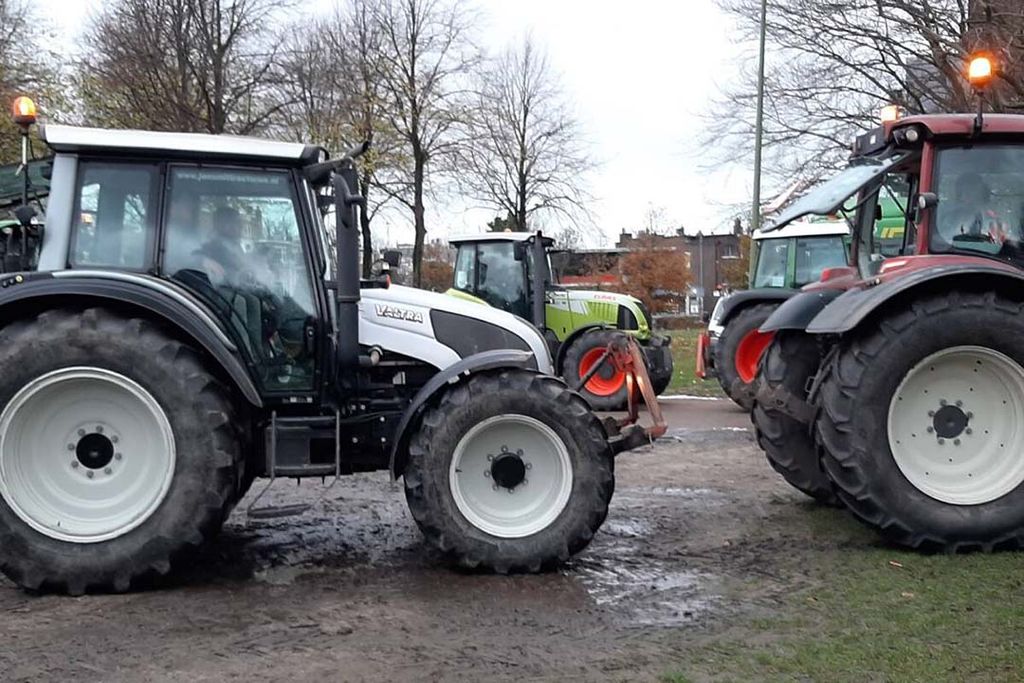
{"x":393,"y":258}
{"x":878,"y":212}
{"x":519,"y":250}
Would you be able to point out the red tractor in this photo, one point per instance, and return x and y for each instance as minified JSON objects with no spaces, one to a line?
{"x":898,"y":386}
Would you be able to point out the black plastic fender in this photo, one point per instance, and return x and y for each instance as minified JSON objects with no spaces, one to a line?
{"x":848,"y":311}
{"x":732,"y":304}
{"x":172,"y":304}
{"x":457,"y":372}
{"x":797,"y":312}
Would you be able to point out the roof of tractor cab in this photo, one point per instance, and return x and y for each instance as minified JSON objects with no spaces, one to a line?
{"x":179,"y":145}
{"x":491,"y":237}
{"x":963,"y":124}
{"x":805,"y":229}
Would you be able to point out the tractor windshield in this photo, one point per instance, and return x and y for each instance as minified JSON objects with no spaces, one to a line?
{"x":981,"y":201}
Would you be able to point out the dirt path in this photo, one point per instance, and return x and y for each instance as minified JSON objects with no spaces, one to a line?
{"x":701,"y":534}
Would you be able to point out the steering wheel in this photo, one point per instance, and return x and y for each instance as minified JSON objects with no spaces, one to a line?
{"x":222,"y":298}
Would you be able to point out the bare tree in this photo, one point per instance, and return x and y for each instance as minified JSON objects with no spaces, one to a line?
{"x":26,"y":68}
{"x":185,"y":65}
{"x":427,"y":54}
{"x":525,"y":155}
{"x":335,"y":82}
{"x":831,"y":67}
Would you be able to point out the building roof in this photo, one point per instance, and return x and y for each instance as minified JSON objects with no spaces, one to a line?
{"x":100,"y":140}
{"x":805,"y":229}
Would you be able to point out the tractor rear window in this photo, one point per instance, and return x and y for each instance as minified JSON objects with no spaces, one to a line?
{"x":115,"y":215}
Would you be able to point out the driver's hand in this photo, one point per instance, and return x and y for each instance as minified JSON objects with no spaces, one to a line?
{"x":998,"y":232}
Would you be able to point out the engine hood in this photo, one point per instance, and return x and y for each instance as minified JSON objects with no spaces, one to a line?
{"x":400,"y":318}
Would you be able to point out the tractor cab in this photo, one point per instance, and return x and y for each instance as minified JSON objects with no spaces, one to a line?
{"x":496,"y":268}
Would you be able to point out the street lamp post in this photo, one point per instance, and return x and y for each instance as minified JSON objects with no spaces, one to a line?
{"x":700,"y":273}
{"x":755,"y":213}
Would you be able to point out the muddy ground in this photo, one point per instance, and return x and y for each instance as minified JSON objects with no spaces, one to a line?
{"x":701,"y":539}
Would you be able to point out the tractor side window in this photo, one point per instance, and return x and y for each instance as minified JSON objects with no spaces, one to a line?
{"x":115,"y":215}
{"x":465,"y":269}
{"x":233,"y":237}
{"x":890,"y":216}
{"x":501,"y":281}
{"x":772,"y":259}
{"x":815,"y":254}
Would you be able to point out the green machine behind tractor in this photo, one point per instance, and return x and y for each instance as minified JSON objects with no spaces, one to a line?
{"x":781,"y":263}
{"x":507,"y":269}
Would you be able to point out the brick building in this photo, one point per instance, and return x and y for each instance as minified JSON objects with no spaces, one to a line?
{"x":704,"y":253}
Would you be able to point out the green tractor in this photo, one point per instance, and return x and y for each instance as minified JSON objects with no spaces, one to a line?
{"x":781,"y":262}
{"x":506,"y":269}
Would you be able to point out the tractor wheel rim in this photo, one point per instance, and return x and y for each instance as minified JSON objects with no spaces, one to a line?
{"x":749,"y":352}
{"x":86,"y":454}
{"x":605,"y":381}
{"x":953,"y":428}
{"x":511,"y":476}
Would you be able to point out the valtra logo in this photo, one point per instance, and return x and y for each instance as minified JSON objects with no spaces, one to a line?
{"x":386,"y":311}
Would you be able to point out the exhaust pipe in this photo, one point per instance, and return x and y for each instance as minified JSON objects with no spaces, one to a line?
{"x":541,"y":278}
{"x":346,"y":198}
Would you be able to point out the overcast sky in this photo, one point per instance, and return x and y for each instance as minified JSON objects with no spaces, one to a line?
{"x":641,"y":74}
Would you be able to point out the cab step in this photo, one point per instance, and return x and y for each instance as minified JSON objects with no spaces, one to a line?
{"x":288,"y":448}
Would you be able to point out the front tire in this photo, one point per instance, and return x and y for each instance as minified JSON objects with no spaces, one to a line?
{"x":606,"y":390}
{"x":510,"y":471}
{"x":117,"y":451}
{"x":739,"y":351}
{"x":920,"y":423}
{"x":783,"y":433}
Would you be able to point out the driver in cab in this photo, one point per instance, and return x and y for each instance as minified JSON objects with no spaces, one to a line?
{"x":973,"y":215}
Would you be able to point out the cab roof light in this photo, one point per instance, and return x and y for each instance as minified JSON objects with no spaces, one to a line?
{"x":24,"y":111}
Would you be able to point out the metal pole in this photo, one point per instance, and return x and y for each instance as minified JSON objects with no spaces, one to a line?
{"x":700,"y":270}
{"x":755,"y":214}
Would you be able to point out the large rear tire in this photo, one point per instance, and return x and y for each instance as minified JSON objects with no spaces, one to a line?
{"x":781,"y":417}
{"x":510,"y":471}
{"x":117,"y":451}
{"x":739,"y":351}
{"x":920,"y":423}
{"x":606,"y":390}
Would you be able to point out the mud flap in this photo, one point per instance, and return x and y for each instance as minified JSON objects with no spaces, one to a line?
{"x":703,"y":344}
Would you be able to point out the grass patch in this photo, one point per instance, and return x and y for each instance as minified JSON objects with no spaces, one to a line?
{"x":882,"y":615}
{"x":684,"y":359}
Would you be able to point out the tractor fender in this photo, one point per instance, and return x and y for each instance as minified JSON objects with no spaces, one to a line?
{"x":735,"y":302}
{"x":855,"y":306}
{"x":453,"y":374}
{"x":576,"y":334}
{"x":797,"y":312}
{"x":160,"y":299}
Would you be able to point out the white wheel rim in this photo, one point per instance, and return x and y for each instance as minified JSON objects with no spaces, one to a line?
{"x":954,"y":425}
{"x":530,"y":506}
{"x":86,"y":454}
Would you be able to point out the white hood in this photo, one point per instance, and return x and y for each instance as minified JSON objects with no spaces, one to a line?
{"x":383,"y":312}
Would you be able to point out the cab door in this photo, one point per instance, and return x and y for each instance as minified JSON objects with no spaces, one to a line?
{"x":233,"y":236}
